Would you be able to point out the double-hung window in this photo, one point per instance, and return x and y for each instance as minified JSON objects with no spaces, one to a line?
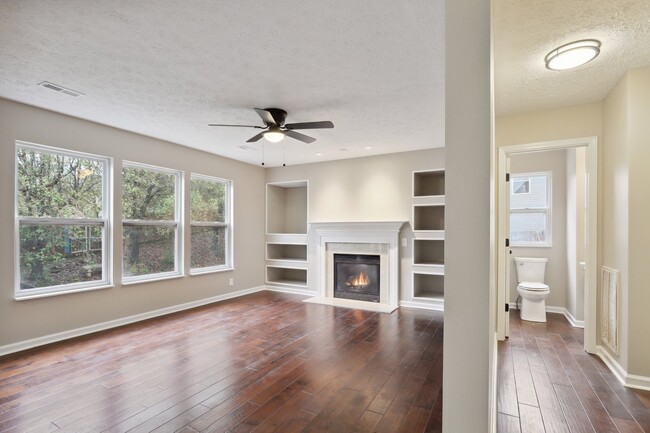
{"x":62,"y":210}
{"x":151,"y":222}
{"x":211,"y":231}
{"x":530,"y":209}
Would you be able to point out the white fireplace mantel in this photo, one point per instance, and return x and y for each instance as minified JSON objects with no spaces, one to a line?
{"x":383,"y":234}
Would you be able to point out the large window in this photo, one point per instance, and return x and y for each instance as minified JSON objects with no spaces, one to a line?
{"x":151,"y":243}
{"x":530,"y":209}
{"x":210,"y":224}
{"x":62,"y":210}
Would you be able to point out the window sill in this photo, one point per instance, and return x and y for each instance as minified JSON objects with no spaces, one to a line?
{"x":151,"y":280}
{"x":532,"y":246}
{"x":210,"y":271}
{"x":27,"y":297}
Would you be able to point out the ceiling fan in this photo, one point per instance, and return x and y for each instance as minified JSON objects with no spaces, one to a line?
{"x":276,"y":128}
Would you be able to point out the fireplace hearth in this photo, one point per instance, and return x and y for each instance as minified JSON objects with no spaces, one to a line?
{"x":356,"y":276}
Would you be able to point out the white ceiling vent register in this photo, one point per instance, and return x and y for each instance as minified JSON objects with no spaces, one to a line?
{"x":61,"y":89}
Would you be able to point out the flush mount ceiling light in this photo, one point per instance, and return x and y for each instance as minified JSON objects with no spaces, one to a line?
{"x":572,"y":55}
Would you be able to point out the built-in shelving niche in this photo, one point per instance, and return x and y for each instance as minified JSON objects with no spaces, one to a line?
{"x":286,"y":276}
{"x":429,"y":286}
{"x":428,"y":183}
{"x":428,"y":223}
{"x":286,"y":252}
{"x":428,"y":217}
{"x":286,"y":207}
{"x":428,"y":252}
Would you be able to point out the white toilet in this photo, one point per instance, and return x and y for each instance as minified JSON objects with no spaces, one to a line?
{"x":531,"y":288}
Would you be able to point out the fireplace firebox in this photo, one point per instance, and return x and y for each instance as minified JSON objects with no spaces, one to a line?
{"x":356,"y":276}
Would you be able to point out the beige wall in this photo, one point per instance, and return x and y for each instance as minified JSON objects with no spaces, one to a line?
{"x":615,"y":200}
{"x":557,"y":124}
{"x":376,"y":188}
{"x":639,"y":222}
{"x":469,"y":308}
{"x":556,"y":269}
{"x":23,"y":320}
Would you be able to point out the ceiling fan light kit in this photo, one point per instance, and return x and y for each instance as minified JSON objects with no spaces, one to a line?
{"x":572,"y":55}
{"x":276,"y":128}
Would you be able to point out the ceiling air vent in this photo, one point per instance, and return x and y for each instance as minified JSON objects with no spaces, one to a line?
{"x":58,"y":88}
{"x":246,"y":147}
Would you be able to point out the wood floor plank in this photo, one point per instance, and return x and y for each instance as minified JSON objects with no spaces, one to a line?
{"x":434,"y":424}
{"x":523,"y":379}
{"x":367,"y":422}
{"x":415,"y":421}
{"x":530,"y":419}
{"x":506,"y":389}
{"x":508,"y":423}
{"x":552,"y":415}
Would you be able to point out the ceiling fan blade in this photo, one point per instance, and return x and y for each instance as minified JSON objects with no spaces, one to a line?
{"x":298,"y":136}
{"x":237,"y":126}
{"x":310,"y":125}
{"x":255,"y":138}
{"x":266,"y":116}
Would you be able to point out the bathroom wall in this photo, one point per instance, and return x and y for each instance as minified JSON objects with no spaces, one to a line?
{"x":575,"y":232}
{"x":556,"y":268}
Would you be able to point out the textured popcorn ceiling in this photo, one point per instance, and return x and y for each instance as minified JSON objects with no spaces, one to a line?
{"x":168,"y":68}
{"x":526,"y":30}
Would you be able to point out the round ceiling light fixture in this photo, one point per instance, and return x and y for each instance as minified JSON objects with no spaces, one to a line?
{"x":274,"y":135}
{"x":572,"y":55}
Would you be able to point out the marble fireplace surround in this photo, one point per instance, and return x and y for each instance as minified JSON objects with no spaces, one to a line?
{"x":376,"y":238}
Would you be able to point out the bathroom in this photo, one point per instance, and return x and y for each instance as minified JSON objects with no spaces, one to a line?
{"x":547,"y":220}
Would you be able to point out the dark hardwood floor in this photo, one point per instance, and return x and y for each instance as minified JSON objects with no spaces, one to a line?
{"x":261,"y":363}
{"x":547,"y":383}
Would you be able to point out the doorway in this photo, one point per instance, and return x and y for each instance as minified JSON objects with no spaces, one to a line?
{"x":590,"y":254}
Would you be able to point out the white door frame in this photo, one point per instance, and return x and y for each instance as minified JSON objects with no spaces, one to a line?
{"x":591,"y":248}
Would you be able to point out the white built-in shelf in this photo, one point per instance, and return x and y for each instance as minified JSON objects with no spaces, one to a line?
{"x":286,"y":207}
{"x":286,"y":252}
{"x":428,"y":266}
{"x":429,"y":183}
{"x":428,"y":252}
{"x":428,"y":217}
{"x":428,"y":286}
{"x":287,"y":276}
{"x":286,"y":233}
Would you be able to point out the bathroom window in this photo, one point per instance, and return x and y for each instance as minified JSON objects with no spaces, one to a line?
{"x":530,"y":209}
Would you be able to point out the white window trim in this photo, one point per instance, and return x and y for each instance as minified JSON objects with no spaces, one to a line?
{"x":107,"y":265}
{"x":548,"y":211}
{"x":228,"y":265}
{"x":177,"y":223}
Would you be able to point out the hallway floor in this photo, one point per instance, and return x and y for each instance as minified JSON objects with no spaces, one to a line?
{"x":547,"y":383}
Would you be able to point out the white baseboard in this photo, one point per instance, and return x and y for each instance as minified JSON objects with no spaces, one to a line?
{"x":492,"y":401}
{"x":559,"y":310}
{"x":572,"y":320}
{"x":629,"y":380}
{"x":423,"y":305}
{"x":289,"y":290}
{"x":65,"y":335}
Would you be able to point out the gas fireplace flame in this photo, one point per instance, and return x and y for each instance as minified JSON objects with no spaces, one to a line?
{"x":357,"y":281}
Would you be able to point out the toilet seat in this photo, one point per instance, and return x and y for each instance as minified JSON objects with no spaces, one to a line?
{"x":533,"y":287}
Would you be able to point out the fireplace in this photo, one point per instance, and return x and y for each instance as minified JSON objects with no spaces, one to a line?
{"x":356,"y":276}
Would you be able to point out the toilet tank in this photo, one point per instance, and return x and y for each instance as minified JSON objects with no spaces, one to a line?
{"x":530,"y":269}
